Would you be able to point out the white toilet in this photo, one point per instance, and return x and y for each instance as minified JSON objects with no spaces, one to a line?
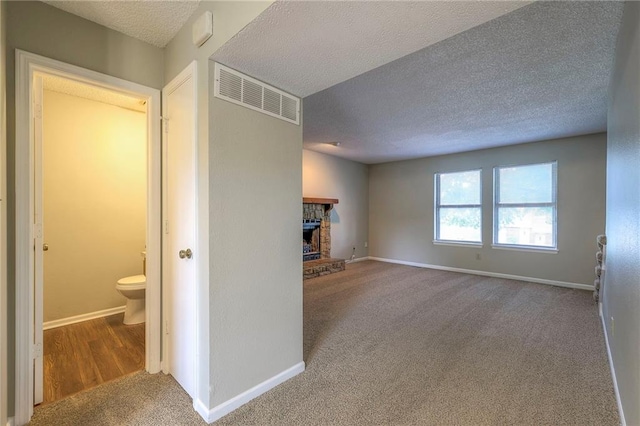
{"x":133,"y":288}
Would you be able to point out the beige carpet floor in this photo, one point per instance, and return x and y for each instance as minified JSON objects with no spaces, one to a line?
{"x":398,"y":345}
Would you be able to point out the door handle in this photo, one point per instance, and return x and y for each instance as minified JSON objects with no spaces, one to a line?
{"x":185,"y":253}
{"x":45,"y":247}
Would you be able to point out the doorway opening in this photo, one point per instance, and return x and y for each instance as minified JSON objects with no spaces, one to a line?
{"x":92,"y":200}
{"x":32,"y":224}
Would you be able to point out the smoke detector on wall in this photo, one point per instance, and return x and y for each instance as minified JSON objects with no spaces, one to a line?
{"x":202,"y":29}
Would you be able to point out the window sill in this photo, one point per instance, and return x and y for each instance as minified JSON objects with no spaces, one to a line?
{"x":457,"y":244}
{"x":530,"y":249}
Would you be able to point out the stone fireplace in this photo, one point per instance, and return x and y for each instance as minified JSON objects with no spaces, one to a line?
{"x":316,"y":225}
{"x":316,"y":238}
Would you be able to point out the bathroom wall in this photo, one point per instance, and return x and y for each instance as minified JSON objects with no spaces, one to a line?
{"x":94,"y":202}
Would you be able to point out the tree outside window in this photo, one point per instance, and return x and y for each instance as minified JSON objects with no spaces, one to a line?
{"x":525,"y":208}
{"x":458,"y":206}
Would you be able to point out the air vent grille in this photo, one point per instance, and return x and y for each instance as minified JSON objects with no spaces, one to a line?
{"x":243,"y":90}
{"x":271,"y":101}
{"x":230,"y":85}
{"x":251,"y":93}
{"x":289,"y":107}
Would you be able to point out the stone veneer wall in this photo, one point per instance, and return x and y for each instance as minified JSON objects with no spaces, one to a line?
{"x":320,"y":211}
{"x":318,"y":268}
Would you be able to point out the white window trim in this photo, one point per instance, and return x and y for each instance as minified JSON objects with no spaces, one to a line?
{"x":437,"y":206}
{"x":530,"y":249}
{"x":454,"y":243}
{"x":554,"y":205}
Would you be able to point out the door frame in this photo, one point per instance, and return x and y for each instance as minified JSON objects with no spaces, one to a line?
{"x":27,"y":64}
{"x":3,"y":222}
{"x":189,"y":73}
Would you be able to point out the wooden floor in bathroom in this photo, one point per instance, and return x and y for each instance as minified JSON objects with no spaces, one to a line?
{"x":83,"y":355}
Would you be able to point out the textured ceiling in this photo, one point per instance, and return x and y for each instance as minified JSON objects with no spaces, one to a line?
{"x":307,"y":46}
{"x":155,"y":22}
{"x":540,"y":72}
{"x":86,"y":91}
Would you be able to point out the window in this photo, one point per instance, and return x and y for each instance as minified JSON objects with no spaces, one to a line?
{"x":525,"y":208}
{"x":458,"y":205}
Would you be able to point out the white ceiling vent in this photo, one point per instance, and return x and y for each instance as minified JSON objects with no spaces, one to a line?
{"x":241,"y":89}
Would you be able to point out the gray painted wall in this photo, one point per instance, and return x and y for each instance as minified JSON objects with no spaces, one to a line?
{"x":229,"y":18}
{"x":326,"y":176}
{"x":401,"y":215}
{"x":243,"y":284}
{"x":621,"y":293}
{"x":255,"y":238}
{"x":47,"y":31}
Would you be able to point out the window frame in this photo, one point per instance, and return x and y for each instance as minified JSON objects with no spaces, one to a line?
{"x":497,"y":205}
{"x":437,"y":206}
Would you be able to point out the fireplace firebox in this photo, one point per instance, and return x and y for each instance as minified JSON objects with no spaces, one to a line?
{"x":311,"y":239}
{"x":316,"y":228}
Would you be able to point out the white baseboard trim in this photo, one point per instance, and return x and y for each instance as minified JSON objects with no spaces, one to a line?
{"x":357,"y":259}
{"x":84,"y":317}
{"x":201,"y":409}
{"x":226,"y":407}
{"x":488,"y":274}
{"x":623,"y":422}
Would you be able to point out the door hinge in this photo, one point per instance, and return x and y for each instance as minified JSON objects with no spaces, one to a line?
{"x":166,"y":327}
{"x":166,"y":226}
{"x":165,"y":122}
{"x":37,"y":230}
{"x":37,"y":111}
{"x":37,"y":350}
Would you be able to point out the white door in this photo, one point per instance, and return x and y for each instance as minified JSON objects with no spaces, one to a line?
{"x":180,"y":252}
{"x":38,"y":241}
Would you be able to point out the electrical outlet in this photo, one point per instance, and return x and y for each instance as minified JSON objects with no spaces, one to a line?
{"x":613,"y":327}
{"x":477,"y":256}
{"x":366,"y":244}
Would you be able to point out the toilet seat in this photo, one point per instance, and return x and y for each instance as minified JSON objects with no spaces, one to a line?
{"x":134,"y":282}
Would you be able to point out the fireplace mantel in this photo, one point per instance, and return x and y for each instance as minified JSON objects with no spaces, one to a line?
{"x":326,"y":202}
{"x":314,"y":200}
